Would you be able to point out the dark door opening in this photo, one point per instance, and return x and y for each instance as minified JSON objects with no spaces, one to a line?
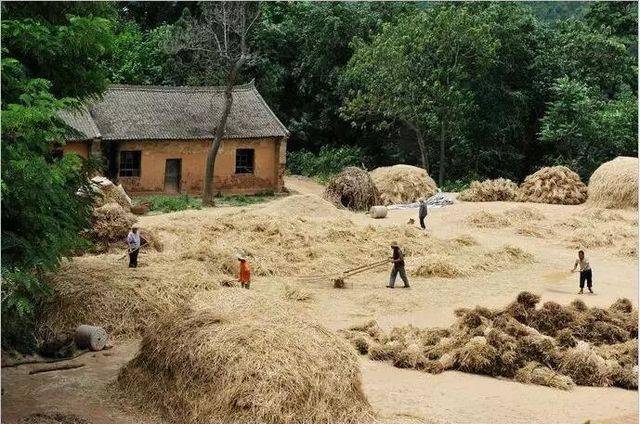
{"x":172,"y":174}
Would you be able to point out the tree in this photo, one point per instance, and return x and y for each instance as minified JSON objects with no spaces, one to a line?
{"x":583,"y":130}
{"x":217,"y":41}
{"x":45,"y":57}
{"x":418,"y":72}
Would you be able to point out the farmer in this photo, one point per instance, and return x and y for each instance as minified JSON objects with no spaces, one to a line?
{"x":133,"y":241}
{"x":398,"y":267}
{"x":422,"y":213}
{"x":582,"y":263}
{"x":245,"y":273}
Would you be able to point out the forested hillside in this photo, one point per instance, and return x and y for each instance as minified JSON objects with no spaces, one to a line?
{"x":490,"y":89}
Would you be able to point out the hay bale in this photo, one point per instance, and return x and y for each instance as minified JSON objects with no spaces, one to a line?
{"x":564,"y":338}
{"x":370,"y":327}
{"x":555,"y":185}
{"x":622,"y":305}
{"x":384,"y":352}
{"x":500,"y":189}
{"x":436,"y":265}
{"x":585,"y":366}
{"x":477,"y":357}
{"x":614,"y":185}
{"x":484,"y":219}
{"x":535,"y":373}
{"x":111,"y":223}
{"x":402,"y":184}
{"x":378,"y":212}
{"x":551,"y":318}
{"x":353,"y":189}
{"x":217,"y":363}
{"x":538,"y":348}
{"x":528,"y":299}
{"x":409,"y":357}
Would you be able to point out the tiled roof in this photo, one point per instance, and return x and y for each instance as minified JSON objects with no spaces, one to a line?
{"x":130,"y":112}
{"x":81,"y":122}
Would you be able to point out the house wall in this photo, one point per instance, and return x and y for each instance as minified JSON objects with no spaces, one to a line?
{"x":269,"y":157}
{"x":79,"y":147}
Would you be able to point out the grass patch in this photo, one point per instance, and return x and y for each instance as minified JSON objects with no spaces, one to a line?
{"x":167,"y":203}
{"x":243,"y":200}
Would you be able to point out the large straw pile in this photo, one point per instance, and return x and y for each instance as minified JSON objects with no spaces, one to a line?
{"x":401,"y":184}
{"x":500,"y":189}
{"x":242,"y":359}
{"x":614,"y":185}
{"x":353,"y":189}
{"x":108,"y":192}
{"x":111,"y":222}
{"x":553,"y":345}
{"x":556,"y":185}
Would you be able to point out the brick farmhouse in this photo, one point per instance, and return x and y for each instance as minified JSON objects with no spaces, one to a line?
{"x":155,"y":139}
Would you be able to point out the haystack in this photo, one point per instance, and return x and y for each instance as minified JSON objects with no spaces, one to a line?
{"x":500,"y":189}
{"x":614,"y":185}
{"x":556,"y":185}
{"x":353,"y":189}
{"x":239,"y":359}
{"x":108,"y":192}
{"x":111,"y":222}
{"x":401,"y":184}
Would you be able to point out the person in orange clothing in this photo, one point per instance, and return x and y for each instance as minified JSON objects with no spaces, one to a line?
{"x":245,"y":272}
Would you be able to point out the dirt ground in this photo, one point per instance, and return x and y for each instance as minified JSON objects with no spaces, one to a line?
{"x":399,"y":395}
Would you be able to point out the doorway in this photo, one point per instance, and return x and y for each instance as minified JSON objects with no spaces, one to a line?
{"x":172,"y":174}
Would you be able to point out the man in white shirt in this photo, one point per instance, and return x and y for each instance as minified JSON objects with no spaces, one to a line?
{"x":133,"y":241}
{"x":582,"y":263}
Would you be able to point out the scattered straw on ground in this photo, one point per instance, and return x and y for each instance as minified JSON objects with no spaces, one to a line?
{"x":401,"y":184}
{"x":614,"y":185}
{"x":353,"y":189}
{"x":553,"y":345}
{"x":53,"y":418}
{"x":500,"y":189}
{"x":556,"y":185}
{"x":240,"y":359}
{"x":484,"y":219}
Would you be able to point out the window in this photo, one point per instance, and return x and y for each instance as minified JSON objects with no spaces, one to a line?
{"x":130,"y":163}
{"x":244,"y":161}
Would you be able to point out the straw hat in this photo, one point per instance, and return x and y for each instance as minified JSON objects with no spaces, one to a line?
{"x":394,"y":244}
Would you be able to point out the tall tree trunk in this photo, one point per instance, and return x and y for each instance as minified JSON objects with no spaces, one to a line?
{"x":421,"y":145}
{"x":208,"y":189}
{"x":442,"y":155}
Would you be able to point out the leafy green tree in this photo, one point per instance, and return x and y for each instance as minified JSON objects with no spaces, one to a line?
{"x":418,"y":72}
{"x":45,"y":57}
{"x":583,"y":130}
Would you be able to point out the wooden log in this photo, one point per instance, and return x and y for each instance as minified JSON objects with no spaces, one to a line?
{"x":91,"y":337}
{"x":57,"y":367}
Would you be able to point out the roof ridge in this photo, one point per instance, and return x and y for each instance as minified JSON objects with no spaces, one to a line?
{"x":181,"y":88}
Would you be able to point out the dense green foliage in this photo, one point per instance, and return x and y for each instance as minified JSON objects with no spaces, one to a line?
{"x":51,"y":59}
{"x":326,"y":163}
{"x":473,"y":81}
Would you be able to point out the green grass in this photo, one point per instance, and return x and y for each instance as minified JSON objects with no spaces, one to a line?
{"x":243,"y":200}
{"x":163,"y":203}
{"x":167,"y":203}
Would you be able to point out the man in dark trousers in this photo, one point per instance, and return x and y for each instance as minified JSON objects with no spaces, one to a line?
{"x":422,"y":213}
{"x":582,"y":263}
{"x":398,"y":267}
{"x":133,"y":241}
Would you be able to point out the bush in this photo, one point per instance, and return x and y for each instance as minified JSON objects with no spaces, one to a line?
{"x":455,"y":185}
{"x":326,"y":163}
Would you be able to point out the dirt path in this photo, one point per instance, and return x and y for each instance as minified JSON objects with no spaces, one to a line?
{"x":399,"y":395}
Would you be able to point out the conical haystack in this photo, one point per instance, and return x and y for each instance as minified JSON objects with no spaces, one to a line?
{"x":554,"y":184}
{"x":238,"y":358}
{"x":353,"y":189}
{"x":614,"y":185}
{"x":401,"y":184}
{"x":500,"y":189}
